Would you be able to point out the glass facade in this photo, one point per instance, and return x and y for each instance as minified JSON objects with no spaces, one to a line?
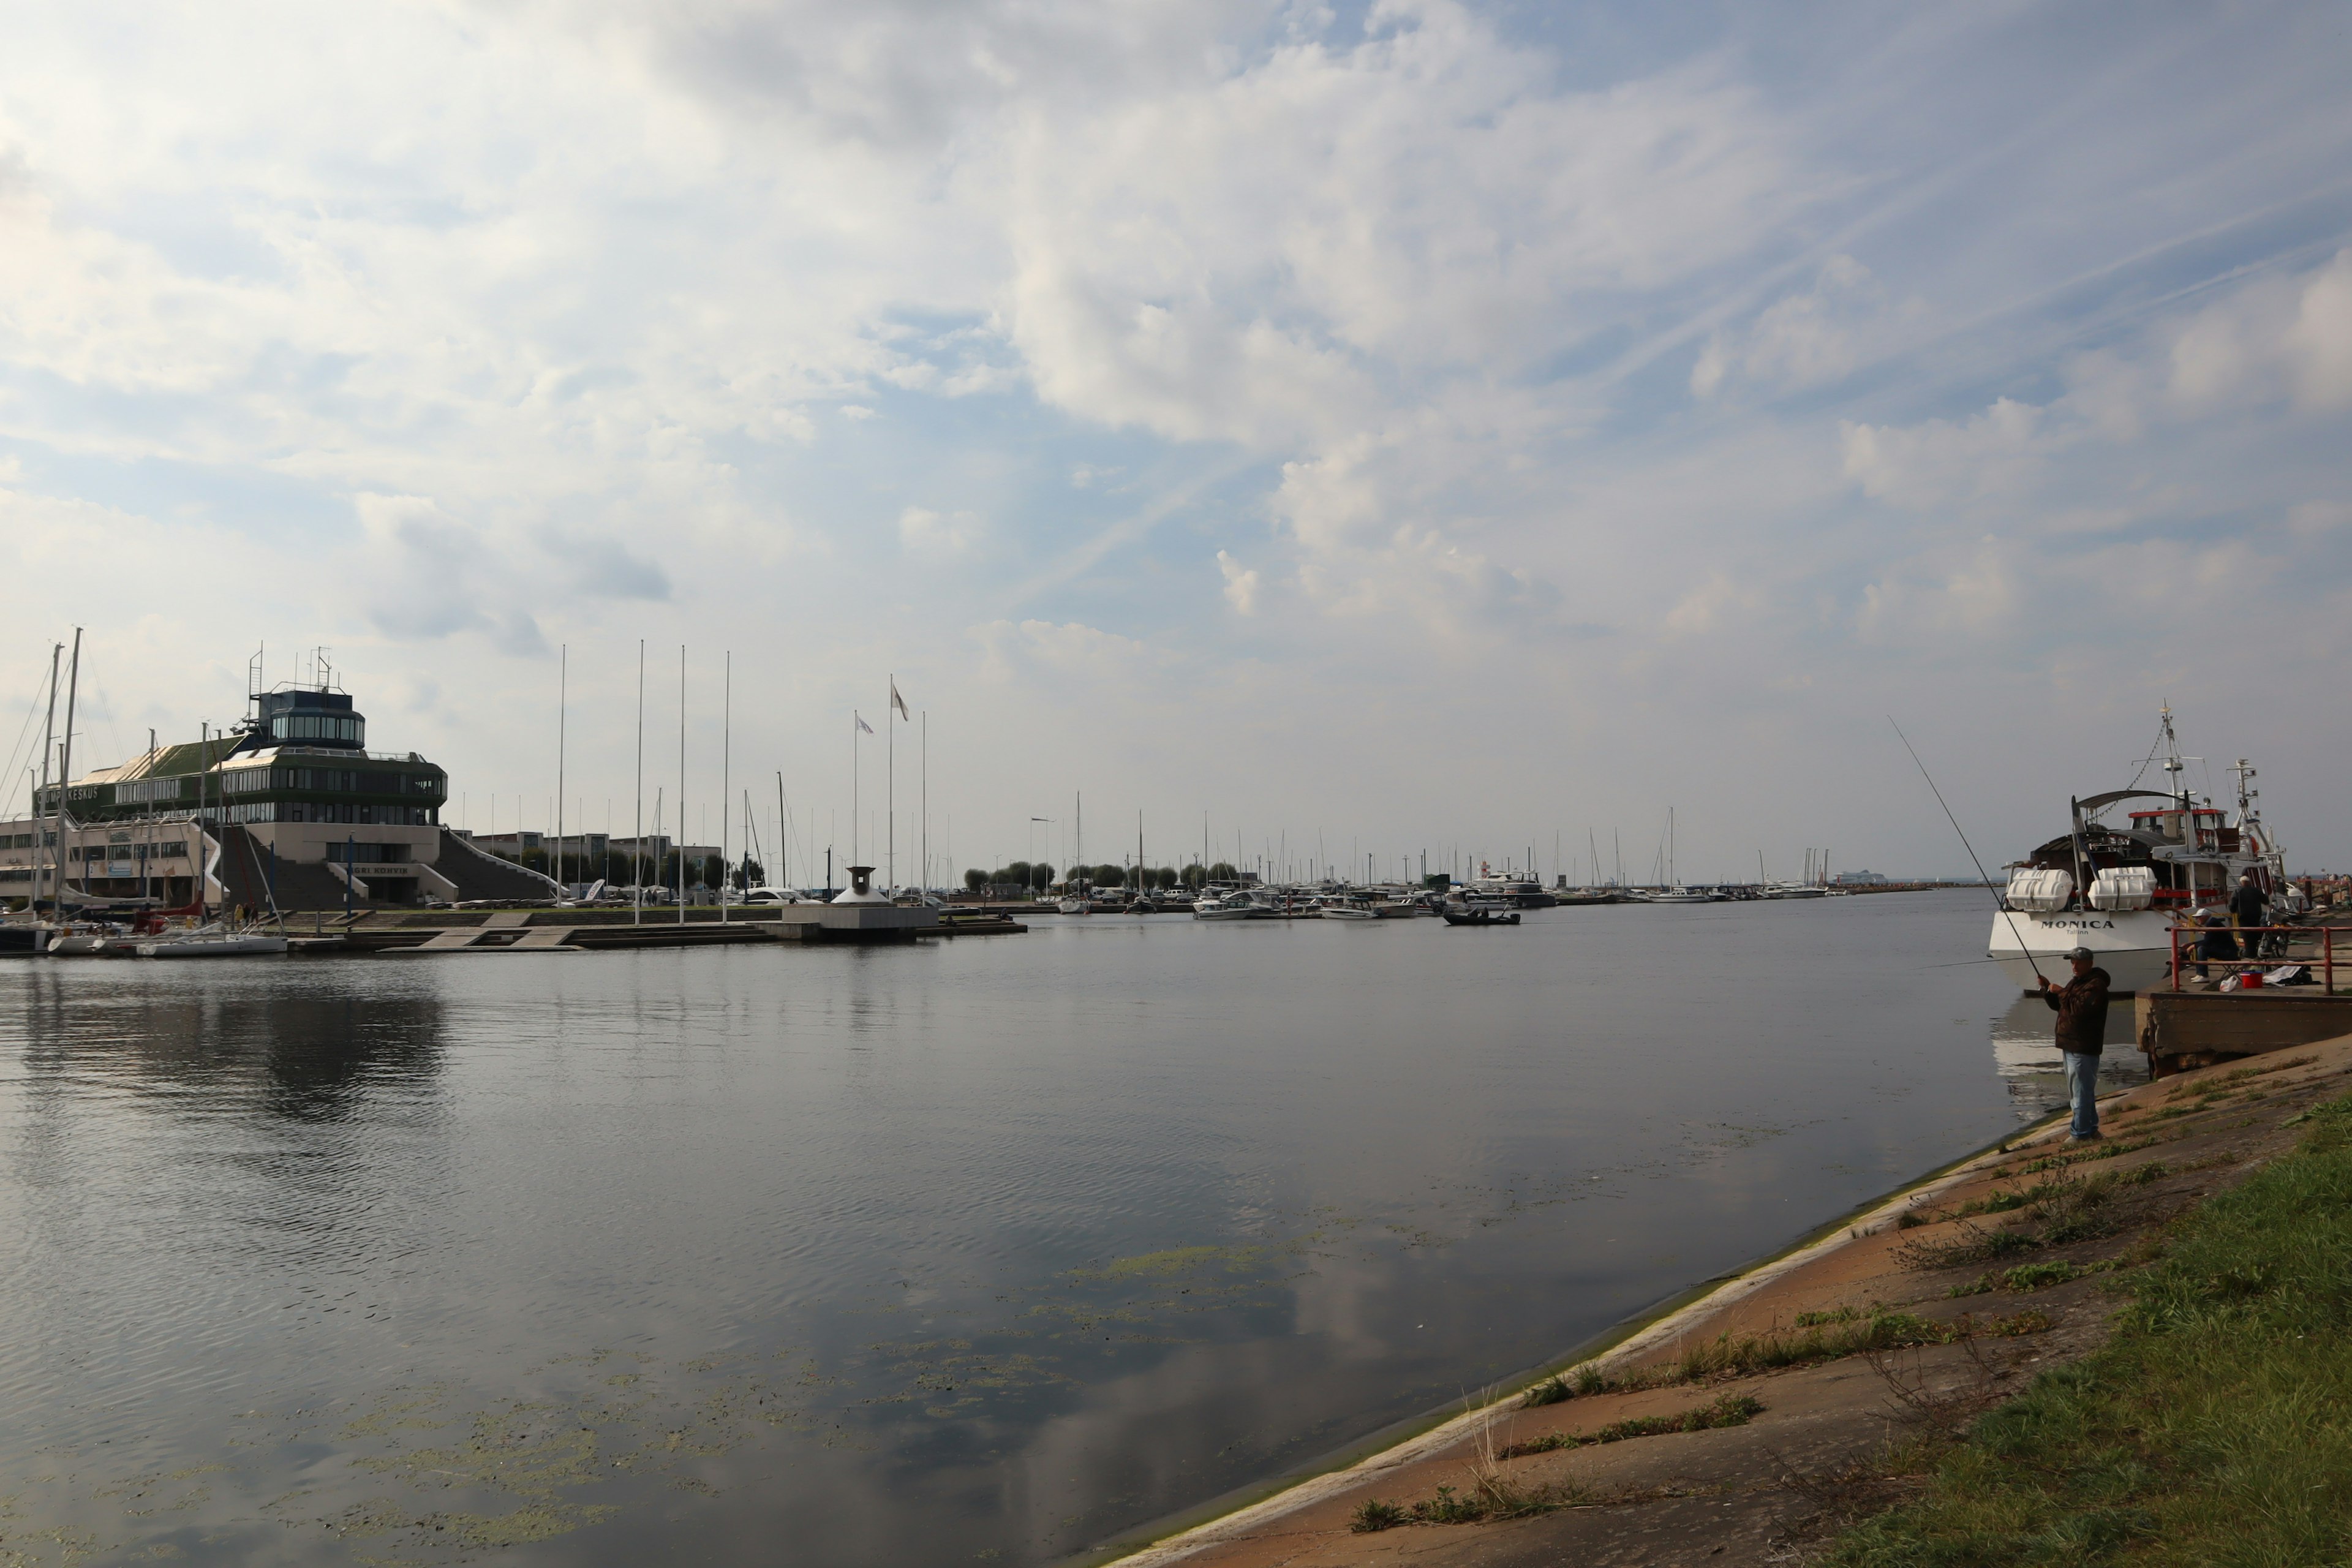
{"x":337,"y":728}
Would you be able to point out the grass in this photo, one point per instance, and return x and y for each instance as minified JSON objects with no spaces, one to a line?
{"x":1730,"y":1410}
{"x":2106,"y":1150}
{"x":2210,"y":1429}
{"x":2028,"y":1277}
{"x":2063,"y":1209}
{"x":1831,"y":1336}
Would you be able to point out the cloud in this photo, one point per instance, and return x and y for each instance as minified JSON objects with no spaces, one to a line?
{"x":429,"y":575}
{"x":1241,"y":585}
{"x":1634,"y":376}
{"x":609,"y":569}
{"x":1804,"y":339}
{"x":923,"y":532}
{"x":1940,"y":460}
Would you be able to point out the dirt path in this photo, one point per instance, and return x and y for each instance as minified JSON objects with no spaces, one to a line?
{"x":1773,"y":1485}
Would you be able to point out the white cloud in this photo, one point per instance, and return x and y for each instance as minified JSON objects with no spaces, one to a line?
{"x":662,"y":307}
{"x":1939,"y":461}
{"x":427,"y":576}
{"x":927,"y":533}
{"x":1805,"y":340}
{"x":1241,"y":585}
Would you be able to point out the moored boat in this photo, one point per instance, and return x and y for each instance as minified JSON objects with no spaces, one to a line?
{"x":215,"y":941}
{"x":2121,"y":892}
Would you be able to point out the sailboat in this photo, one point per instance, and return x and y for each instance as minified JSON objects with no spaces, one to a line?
{"x":1078,"y":903}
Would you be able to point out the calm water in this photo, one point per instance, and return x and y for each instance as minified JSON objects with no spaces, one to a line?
{"x":980,"y":1249}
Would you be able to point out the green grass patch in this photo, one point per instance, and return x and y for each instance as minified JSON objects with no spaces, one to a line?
{"x":2029,"y":1277}
{"x":2105,"y":1150}
{"x":1879,"y":1329}
{"x":1730,"y":1410}
{"x":2210,"y":1429}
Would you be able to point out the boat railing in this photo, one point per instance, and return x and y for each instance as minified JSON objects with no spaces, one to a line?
{"x":2325,"y":956}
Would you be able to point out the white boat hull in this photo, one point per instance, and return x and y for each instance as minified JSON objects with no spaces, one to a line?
{"x":213,"y":947}
{"x":2134,"y":946}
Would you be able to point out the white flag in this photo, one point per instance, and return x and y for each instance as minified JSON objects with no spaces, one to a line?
{"x":900,"y":703}
{"x":861,"y":721}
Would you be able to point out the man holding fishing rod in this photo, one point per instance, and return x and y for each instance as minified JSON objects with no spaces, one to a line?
{"x":2081,"y":1007}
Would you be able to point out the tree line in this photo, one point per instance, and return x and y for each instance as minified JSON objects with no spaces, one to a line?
{"x":1039,"y":875}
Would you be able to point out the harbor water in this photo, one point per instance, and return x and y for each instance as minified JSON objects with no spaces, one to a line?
{"x":989,"y":1249}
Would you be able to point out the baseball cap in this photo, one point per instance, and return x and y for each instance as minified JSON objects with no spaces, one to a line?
{"x":2081,"y":952}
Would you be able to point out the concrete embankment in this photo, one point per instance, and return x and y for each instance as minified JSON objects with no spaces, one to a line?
{"x":1747,"y":1424}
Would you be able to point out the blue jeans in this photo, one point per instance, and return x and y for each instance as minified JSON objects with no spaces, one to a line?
{"x":2083,"y":1092}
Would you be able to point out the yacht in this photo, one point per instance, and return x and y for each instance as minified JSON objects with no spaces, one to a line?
{"x":2121,"y":889}
{"x":1236,"y":905}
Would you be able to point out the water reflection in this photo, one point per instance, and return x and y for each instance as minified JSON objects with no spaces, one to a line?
{"x":902,"y":1255}
{"x":2026,"y":1055}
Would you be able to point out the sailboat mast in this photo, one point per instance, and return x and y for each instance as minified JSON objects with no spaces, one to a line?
{"x":681,"y":784}
{"x":48,"y":750}
{"x":637,"y":844}
{"x":726,"y":784}
{"x":65,"y":767}
{"x":562,"y":711}
{"x":891,"y":789}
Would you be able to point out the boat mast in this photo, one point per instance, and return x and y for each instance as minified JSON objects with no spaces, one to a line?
{"x":562,"y":708}
{"x":48,"y":750}
{"x":638,"y":846}
{"x":726,"y":778}
{"x":65,"y":770}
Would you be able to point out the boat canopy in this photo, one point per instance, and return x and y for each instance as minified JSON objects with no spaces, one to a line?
{"x":2101,"y":801}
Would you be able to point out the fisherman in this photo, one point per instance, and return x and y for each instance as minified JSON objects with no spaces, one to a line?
{"x":2081,"y":1007}
{"x":2213,"y":941}
{"x":2247,"y":906}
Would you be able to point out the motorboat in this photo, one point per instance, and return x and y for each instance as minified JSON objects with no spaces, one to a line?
{"x":1682,"y":896}
{"x":1344,"y":908}
{"x":1236,"y":905}
{"x":1519,"y":893}
{"x":1480,"y":912}
{"x":2122,"y":890}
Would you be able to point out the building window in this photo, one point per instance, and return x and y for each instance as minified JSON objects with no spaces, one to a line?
{"x":347,"y":730}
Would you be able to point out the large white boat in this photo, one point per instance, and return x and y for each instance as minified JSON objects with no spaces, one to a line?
{"x":2121,"y":890}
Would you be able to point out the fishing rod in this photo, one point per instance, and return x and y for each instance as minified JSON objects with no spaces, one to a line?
{"x":1999,"y":902}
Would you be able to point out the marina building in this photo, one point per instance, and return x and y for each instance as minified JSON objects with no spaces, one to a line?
{"x":288,"y":808}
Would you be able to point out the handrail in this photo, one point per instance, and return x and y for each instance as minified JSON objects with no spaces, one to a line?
{"x":2327,"y":935}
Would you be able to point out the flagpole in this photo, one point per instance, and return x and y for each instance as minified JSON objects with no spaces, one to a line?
{"x":562,"y":701}
{"x":890,"y":790}
{"x":726,"y":760}
{"x":637,"y":849}
{"x":681,"y":784}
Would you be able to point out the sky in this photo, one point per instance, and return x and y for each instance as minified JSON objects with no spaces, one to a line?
{"x":1390,"y":429}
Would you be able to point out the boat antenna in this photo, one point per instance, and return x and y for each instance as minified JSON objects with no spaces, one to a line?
{"x":1999,"y":902}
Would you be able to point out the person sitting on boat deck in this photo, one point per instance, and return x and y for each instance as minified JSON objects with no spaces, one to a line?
{"x":2213,"y":941}
{"x":2247,"y":904}
{"x":2081,"y":1007}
